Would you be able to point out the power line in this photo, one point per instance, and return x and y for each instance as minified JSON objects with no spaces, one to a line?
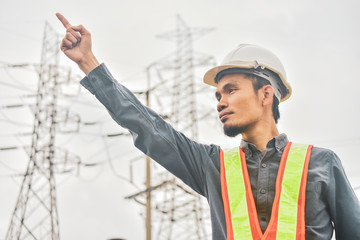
{"x":8,"y":120}
{"x":18,"y":87}
{"x":13,"y":78}
{"x":37,"y":191}
{"x":175,"y":85}
{"x":112,"y":166}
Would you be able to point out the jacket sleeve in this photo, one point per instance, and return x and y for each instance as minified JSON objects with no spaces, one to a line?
{"x":156,"y":138}
{"x":343,"y":203}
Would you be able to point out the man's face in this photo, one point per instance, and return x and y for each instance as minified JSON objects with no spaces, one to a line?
{"x":239,"y":106}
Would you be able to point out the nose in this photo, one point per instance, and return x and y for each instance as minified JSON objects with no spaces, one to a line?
{"x":221,"y":105}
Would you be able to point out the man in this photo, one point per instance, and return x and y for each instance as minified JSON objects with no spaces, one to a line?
{"x":273,"y":173}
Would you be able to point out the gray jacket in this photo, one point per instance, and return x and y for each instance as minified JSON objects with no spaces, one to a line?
{"x":330,"y":200}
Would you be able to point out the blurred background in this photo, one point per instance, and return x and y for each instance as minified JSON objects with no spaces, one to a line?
{"x":100,"y":177}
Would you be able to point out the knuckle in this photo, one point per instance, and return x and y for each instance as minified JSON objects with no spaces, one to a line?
{"x":67,"y":43}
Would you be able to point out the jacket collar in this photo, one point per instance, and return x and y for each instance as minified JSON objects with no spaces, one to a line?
{"x":278,"y":142}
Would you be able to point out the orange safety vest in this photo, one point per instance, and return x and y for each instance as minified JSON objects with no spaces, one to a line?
{"x":288,"y":210}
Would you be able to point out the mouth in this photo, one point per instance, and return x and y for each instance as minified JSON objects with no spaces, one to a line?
{"x":224,"y":116}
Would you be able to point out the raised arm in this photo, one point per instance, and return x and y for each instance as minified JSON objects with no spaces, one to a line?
{"x":186,"y":159}
{"x":77,"y":45}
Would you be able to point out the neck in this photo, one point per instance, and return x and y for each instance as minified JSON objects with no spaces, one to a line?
{"x":261,"y":134}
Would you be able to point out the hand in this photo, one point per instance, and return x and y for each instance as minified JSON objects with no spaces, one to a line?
{"x":77,"y":45}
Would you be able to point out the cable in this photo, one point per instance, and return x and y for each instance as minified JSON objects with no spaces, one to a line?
{"x":11,"y":121}
{"x":16,"y":86}
{"x":67,"y":140}
{"x":13,"y":78}
{"x":10,"y":97}
{"x":113,"y":168}
{"x":95,"y":177}
{"x":60,"y":184}
{"x":8,"y":167}
{"x":12,"y":175}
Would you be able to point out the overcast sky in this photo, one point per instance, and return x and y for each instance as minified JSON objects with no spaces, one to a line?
{"x":317,"y":41}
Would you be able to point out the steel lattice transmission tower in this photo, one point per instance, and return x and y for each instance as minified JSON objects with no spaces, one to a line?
{"x":179,"y":212}
{"x":182,"y":64}
{"x":35,"y":215}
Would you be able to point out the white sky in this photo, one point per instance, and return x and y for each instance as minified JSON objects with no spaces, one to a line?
{"x":317,"y":41}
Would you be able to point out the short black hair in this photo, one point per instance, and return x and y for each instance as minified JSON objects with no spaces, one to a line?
{"x":258,"y":83}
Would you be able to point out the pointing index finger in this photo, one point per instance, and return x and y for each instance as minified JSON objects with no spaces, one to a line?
{"x":63,"y":20}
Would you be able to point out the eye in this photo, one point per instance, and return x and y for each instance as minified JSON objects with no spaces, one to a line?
{"x":217,"y":96}
{"x":231,"y":90}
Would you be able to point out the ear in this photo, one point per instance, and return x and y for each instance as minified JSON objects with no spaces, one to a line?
{"x":268,"y":95}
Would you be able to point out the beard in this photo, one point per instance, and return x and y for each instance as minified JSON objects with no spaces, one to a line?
{"x":233,"y":131}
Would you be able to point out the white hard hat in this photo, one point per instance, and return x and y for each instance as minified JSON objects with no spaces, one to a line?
{"x":247,"y":58}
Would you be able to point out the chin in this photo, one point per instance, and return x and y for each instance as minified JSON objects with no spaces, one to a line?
{"x":233,"y":131}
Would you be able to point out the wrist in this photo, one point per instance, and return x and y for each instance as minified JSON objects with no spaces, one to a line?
{"x":88,"y":64}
